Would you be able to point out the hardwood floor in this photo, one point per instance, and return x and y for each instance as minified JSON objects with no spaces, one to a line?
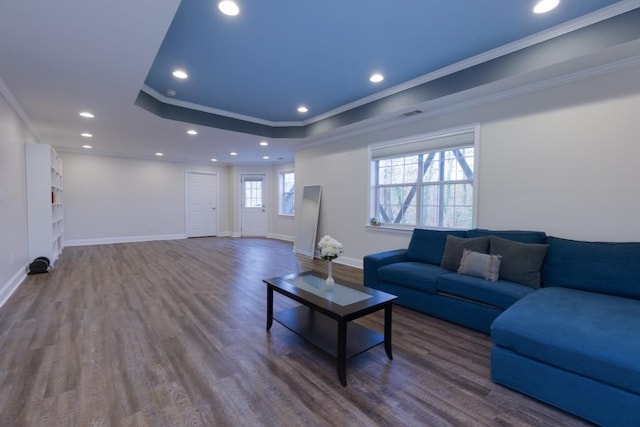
{"x":172,"y":333}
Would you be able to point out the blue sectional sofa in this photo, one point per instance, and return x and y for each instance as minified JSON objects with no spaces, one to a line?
{"x":572,"y":342}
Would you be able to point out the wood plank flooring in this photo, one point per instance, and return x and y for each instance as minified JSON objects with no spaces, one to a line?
{"x":172,"y":333}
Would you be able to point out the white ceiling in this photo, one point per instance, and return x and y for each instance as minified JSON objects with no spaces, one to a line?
{"x":60,"y":58}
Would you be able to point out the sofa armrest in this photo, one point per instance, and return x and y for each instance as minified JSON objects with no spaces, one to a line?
{"x":373,"y":262}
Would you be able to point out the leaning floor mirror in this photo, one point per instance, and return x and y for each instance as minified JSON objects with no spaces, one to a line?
{"x":307,"y":220}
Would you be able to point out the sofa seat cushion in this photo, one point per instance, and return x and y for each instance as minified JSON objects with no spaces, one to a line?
{"x":500,"y":293}
{"x":415,"y":275}
{"x":590,"y":334}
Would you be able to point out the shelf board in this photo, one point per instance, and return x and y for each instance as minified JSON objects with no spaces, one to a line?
{"x":322,"y":331}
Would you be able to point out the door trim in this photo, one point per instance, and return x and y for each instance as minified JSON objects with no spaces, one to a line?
{"x":187,"y":194}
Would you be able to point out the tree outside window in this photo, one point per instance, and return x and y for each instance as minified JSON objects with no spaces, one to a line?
{"x":417,"y":186}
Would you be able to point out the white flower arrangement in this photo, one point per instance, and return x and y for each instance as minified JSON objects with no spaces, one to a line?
{"x":329,"y":247}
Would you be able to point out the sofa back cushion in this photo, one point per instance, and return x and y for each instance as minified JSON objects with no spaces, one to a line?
{"x":521,"y":236}
{"x":428,"y":245}
{"x":611,"y":268}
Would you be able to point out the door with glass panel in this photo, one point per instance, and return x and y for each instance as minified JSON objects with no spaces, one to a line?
{"x":253,"y":220}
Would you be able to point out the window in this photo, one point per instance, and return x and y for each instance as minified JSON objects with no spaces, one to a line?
{"x":287,"y":193}
{"x":253,"y":193}
{"x":425,"y":182}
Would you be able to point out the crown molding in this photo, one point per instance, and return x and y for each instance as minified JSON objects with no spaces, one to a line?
{"x":192,"y":106}
{"x":483,"y":77}
{"x":559,"y":30}
{"x":392,"y":120}
{"x":15,"y":105}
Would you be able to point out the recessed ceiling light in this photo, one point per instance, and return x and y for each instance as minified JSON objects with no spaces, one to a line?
{"x":376,"y":78}
{"x":265,"y":157}
{"x":229,"y":7}
{"x":159,"y":154}
{"x":214,"y":160}
{"x":87,"y":146}
{"x":264,"y":143}
{"x":544,"y":6}
{"x":86,"y":135}
{"x":233,"y":153}
{"x":180,"y":74}
{"x":302,"y":109}
{"x":192,"y":132}
{"x":87,"y":115}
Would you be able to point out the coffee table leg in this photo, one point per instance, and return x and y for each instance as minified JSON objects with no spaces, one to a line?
{"x":269,"y":307}
{"x":342,"y":352}
{"x":387,"y":331}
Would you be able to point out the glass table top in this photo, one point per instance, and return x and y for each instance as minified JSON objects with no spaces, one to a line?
{"x":339,"y":294}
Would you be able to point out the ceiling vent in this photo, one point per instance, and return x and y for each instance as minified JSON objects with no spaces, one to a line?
{"x":411,"y":113}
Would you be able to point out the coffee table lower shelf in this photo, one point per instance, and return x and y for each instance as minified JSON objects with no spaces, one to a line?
{"x":322,"y":331}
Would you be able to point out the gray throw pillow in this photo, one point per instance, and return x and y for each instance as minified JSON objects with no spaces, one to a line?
{"x":521,"y":262}
{"x":455,"y":245}
{"x":480,"y":265}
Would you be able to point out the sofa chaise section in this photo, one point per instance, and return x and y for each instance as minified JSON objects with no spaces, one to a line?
{"x":575,"y":344}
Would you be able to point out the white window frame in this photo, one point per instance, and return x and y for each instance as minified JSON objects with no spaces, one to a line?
{"x":436,"y":141}
{"x":282,"y":193}
{"x":253,"y":196}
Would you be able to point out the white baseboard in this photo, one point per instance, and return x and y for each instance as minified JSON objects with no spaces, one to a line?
{"x":351,"y":262}
{"x":124,"y":239}
{"x":130,"y":239}
{"x":283,"y":237}
{"x":344,"y":260}
{"x":10,"y":287}
{"x":237,"y":235}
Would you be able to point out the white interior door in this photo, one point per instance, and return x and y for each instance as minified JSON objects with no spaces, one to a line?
{"x":202,"y":204}
{"x":253,"y":220}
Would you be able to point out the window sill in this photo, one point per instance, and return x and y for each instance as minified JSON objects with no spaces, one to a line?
{"x":408,"y":229}
{"x":390,"y":229}
{"x":286,"y":215}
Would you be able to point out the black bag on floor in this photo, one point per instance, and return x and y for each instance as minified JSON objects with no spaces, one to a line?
{"x":40,"y":265}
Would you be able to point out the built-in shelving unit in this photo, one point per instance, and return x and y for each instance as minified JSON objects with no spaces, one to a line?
{"x":45,"y":203}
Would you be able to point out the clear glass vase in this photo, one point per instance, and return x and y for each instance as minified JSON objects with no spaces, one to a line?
{"x":330,"y":282}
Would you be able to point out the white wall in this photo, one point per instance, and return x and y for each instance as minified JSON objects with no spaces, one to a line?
{"x":113,"y":199}
{"x":563,"y":160}
{"x":574,"y":172}
{"x":13,"y":201}
{"x":110,"y":199}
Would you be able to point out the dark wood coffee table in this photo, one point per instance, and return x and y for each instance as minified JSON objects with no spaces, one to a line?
{"x":324,"y":314}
